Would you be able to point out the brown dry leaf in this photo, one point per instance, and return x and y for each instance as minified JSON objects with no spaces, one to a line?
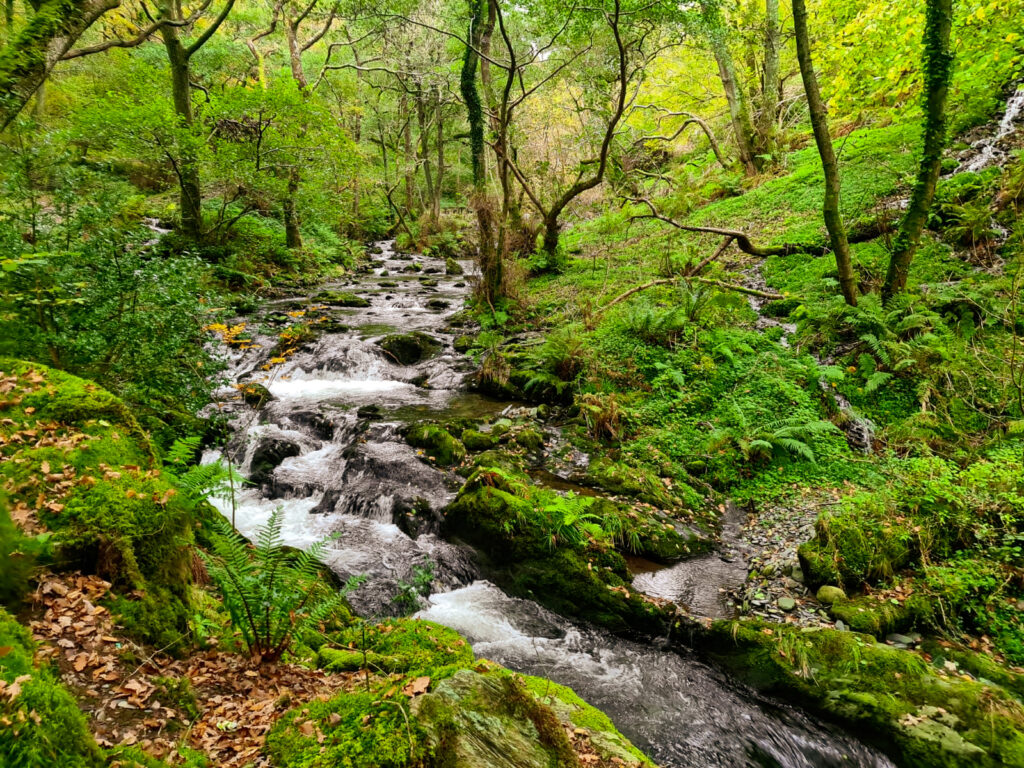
{"x":80,"y":661}
{"x":417,"y":686}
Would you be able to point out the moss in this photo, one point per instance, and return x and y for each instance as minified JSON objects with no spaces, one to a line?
{"x":436,"y":442}
{"x":351,"y":730}
{"x":892,"y":693}
{"x":529,"y":439}
{"x":475,"y":440}
{"x":452,"y":267}
{"x":621,"y":478}
{"x":341,"y":299}
{"x":605,"y":737}
{"x":409,"y":646}
{"x":116,"y":517}
{"x":464,"y":343}
{"x":42,"y":724}
{"x":255,"y":395}
{"x":178,"y":694}
{"x":410,"y":348}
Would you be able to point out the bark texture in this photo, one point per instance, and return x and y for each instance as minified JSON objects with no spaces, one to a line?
{"x":829,"y":164}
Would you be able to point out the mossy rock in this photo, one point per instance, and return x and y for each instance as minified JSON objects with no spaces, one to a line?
{"x":42,"y":725}
{"x":475,"y":440}
{"x":452,"y":267}
{"x":255,"y":395}
{"x":464,"y":343}
{"x":830,"y":594}
{"x":119,"y":518}
{"x":891,"y":694}
{"x":437,"y":443}
{"x":530,"y":440}
{"x":341,"y":299}
{"x":410,"y":348}
{"x":268,"y":455}
{"x":627,"y":480}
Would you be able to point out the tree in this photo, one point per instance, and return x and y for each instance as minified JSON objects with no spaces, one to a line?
{"x":27,"y":60}
{"x":938,"y":72}
{"x":829,"y":164}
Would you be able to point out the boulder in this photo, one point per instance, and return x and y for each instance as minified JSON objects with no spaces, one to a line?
{"x":410,"y":348}
{"x":268,"y":455}
{"x":829,"y":594}
{"x":452,"y":267}
{"x":341,"y":299}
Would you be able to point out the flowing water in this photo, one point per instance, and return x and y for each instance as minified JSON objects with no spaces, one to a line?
{"x":327,"y":451}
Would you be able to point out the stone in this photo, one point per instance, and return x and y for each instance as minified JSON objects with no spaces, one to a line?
{"x":452,"y":267}
{"x":371,"y":412}
{"x":530,"y":439}
{"x":899,"y":640}
{"x":829,"y":594}
{"x":438,"y":304}
{"x":410,"y":348}
{"x":464,"y":343}
{"x":786,"y":604}
{"x":341,"y":299}
{"x":268,"y":455}
{"x":255,"y":395}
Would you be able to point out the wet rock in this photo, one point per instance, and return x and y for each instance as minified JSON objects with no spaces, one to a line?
{"x":464,"y":343}
{"x":410,"y":348}
{"x":370,"y":412}
{"x":437,"y":443}
{"x":438,"y":304}
{"x":268,"y":455}
{"x":255,"y":395}
{"x":321,"y":424}
{"x":341,"y":299}
{"x":452,"y":267}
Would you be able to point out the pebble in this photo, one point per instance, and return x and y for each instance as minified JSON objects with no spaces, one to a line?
{"x":786,"y":603}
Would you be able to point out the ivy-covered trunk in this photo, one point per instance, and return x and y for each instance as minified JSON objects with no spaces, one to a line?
{"x":27,"y":60}
{"x":187,"y":169}
{"x":938,"y":71}
{"x":829,"y":164}
{"x":491,"y":268}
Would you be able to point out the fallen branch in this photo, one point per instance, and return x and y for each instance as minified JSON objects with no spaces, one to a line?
{"x":631,"y":291}
{"x":742,"y":238}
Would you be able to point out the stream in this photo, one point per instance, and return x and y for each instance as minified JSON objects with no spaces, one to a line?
{"x":327,"y":450}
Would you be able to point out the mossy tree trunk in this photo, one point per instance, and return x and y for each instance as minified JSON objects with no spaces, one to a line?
{"x":829,"y":164}
{"x":179,"y":57}
{"x":491,"y":267}
{"x":739,"y":110}
{"x":27,"y":60}
{"x":767,"y":123}
{"x":938,"y":71}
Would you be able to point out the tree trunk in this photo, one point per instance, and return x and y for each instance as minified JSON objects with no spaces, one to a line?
{"x":292,"y":235}
{"x":410,"y":159}
{"x":27,"y":59}
{"x":492,"y":273}
{"x":819,"y":121}
{"x":436,"y":200}
{"x":181,"y":89}
{"x":739,"y":112}
{"x":938,"y":71}
{"x":768,"y":123}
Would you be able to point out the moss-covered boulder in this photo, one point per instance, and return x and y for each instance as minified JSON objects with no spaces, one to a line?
{"x":639,"y":482}
{"x":436,"y":442}
{"x":409,"y":646}
{"x":255,"y":394}
{"x":474,"y":440}
{"x":464,"y":343}
{"x":410,"y":348}
{"x":558,"y":550}
{"x":929,"y":714}
{"x":341,"y":299}
{"x":529,"y":439}
{"x":40,"y":723}
{"x":452,"y":267}
{"x":89,"y":475}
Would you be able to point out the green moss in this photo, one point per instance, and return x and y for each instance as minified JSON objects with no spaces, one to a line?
{"x":931,"y":715}
{"x":437,"y":443}
{"x":117,"y":517}
{"x":409,"y":646}
{"x":42,"y":724}
{"x":341,"y":299}
{"x":475,"y":440}
{"x":529,"y":439}
{"x":410,"y":348}
{"x":351,"y":730}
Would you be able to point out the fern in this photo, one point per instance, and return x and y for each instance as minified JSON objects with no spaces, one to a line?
{"x":270,"y":593}
{"x":876,"y":380}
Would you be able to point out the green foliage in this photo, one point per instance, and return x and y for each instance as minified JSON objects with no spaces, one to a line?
{"x":18,"y":555}
{"x":42,"y":724}
{"x":272,"y":594}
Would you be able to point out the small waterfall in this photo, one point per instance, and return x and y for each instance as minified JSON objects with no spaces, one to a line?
{"x":990,"y":150}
